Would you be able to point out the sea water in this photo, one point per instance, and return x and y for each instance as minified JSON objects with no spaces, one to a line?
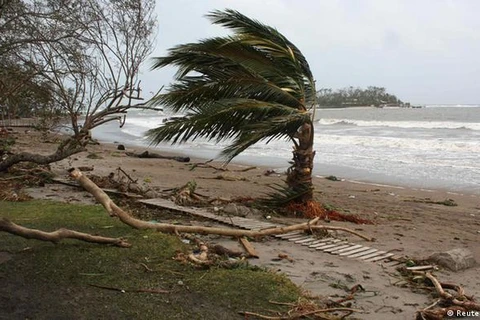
{"x":433,"y":147}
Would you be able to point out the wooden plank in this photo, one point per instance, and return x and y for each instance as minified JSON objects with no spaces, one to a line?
{"x":372,"y":253}
{"x":382,"y":257}
{"x":330,"y":250}
{"x":324,"y":243}
{"x":350,"y":248}
{"x":368,"y":256}
{"x":306,"y":241}
{"x":248,"y":247}
{"x":303,"y":237}
{"x":320,"y":241}
{"x":289,"y":235}
{"x":347,"y":253}
{"x":362,"y":253}
{"x":421,"y":268}
{"x":327,"y":246}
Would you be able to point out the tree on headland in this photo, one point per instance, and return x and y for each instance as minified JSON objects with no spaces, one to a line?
{"x":354,"y":96}
{"x":252,"y":86}
{"x":85,"y":53}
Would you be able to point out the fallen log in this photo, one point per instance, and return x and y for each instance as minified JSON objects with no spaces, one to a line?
{"x":58,"y":235}
{"x":151,"y":155}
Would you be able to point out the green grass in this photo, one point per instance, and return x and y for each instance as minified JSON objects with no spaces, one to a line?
{"x":58,"y":278}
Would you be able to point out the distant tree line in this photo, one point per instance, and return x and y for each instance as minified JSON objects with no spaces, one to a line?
{"x":355,"y":96}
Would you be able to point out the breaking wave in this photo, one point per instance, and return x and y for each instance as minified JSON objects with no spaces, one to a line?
{"x":403,"y":124}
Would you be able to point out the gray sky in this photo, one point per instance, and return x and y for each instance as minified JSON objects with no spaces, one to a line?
{"x":423,"y":51}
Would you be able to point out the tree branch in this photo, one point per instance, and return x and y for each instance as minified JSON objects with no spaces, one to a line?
{"x":58,"y":235}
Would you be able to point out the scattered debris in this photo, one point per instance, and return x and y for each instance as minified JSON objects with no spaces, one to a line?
{"x":226,"y":178}
{"x":446,"y":202}
{"x":286,"y":257}
{"x":449,"y":303}
{"x":313,"y":209}
{"x":207,"y":165}
{"x":332,"y":178}
{"x":151,"y":155}
{"x":269,"y":172}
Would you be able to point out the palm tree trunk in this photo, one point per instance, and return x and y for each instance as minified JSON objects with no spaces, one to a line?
{"x":299,"y":175}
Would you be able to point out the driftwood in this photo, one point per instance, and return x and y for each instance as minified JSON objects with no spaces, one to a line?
{"x":450,"y":304}
{"x":58,"y":235}
{"x":151,"y":155}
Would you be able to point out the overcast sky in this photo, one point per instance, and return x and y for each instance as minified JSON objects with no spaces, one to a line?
{"x":423,"y":51}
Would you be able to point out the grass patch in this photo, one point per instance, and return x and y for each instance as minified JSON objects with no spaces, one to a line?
{"x":44,"y":281}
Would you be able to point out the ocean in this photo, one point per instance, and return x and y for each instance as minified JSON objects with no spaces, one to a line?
{"x":433,"y":147}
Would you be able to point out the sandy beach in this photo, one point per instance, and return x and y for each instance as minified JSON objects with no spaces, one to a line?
{"x":407,"y":221}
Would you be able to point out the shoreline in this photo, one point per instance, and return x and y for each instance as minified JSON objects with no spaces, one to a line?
{"x":177,"y":150}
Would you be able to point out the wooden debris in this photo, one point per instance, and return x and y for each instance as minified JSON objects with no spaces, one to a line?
{"x":225,"y":177}
{"x":286,"y":257}
{"x":151,"y":155}
{"x":449,"y":304}
{"x":207,"y":165}
{"x":421,"y":268}
{"x":248,"y":247}
{"x":86,"y":168}
{"x":58,"y":235}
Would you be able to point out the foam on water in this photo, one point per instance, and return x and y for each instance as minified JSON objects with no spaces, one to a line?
{"x":402,"y":124}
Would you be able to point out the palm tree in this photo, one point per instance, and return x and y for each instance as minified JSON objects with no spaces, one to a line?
{"x":254,"y":85}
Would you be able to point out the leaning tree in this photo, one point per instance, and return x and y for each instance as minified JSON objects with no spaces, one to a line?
{"x":87,"y":53}
{"x":254,"y":85}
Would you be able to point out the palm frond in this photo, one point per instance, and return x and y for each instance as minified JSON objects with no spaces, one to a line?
{"x":248,"y":87}
{"x":241,"y":24}
{"x":280,"y":196}
{"x":273,"y":128}
{"x":232,"y":119}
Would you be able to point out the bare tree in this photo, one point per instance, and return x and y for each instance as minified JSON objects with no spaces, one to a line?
{"x":91,"y":62}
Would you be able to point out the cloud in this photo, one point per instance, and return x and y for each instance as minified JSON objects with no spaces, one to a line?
{"x":423,"y":51}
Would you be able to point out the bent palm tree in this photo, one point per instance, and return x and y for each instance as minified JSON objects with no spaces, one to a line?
{"x":252,"y":86}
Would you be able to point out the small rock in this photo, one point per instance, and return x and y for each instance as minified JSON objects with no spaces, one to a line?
{"x":351,"y":197}
{"x":120,"y":147}
{"x":216,"y":209}
{"x":454,"y":260}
